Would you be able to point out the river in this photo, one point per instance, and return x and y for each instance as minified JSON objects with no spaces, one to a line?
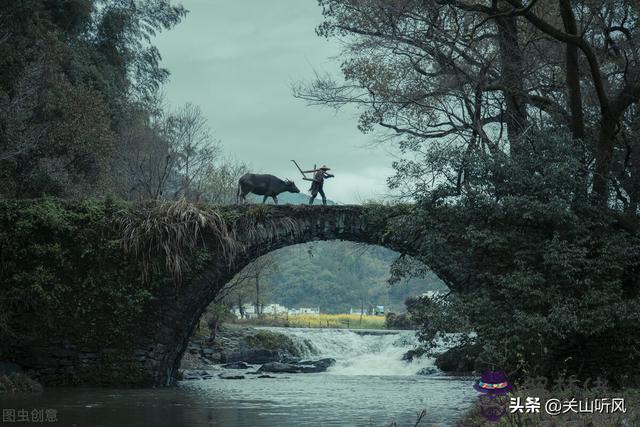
{"x":368,"y":386}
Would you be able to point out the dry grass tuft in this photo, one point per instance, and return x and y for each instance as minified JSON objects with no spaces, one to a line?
{"x":174,"y":230}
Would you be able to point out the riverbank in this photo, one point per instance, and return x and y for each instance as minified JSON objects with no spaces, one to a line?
{"x":14,"y":380}
{"x":243,"y":345}
{"x":18,"y":382}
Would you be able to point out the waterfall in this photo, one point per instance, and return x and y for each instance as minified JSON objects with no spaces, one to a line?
{"x":360,"y":353}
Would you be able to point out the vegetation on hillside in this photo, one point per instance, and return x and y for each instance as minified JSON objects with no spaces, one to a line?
{"x":335,"y":276}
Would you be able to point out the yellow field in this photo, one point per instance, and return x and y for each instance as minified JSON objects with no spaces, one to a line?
{"x":343,"y":321}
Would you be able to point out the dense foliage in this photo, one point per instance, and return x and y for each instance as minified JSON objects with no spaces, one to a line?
{"x":69,"y":278}
{"x":81,"y":111}
{"x":548,"y":282}
{"x":55,"y":260}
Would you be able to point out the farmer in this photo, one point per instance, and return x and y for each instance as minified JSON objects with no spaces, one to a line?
{"x":319,"y":175}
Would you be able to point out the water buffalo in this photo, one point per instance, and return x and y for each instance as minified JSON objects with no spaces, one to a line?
{"x":264,"y":185}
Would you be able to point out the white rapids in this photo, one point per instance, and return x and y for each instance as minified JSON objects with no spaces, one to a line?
{"x":361,"y":352}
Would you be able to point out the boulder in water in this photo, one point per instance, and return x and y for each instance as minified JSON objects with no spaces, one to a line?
{"x":252,"y":355}
{"x":287,"y":358}
{"x":231,"y":377}
{"x":193,"y":374}
{"x":429,"y":370}
{"x":236,"y":365}
{"x":277,"y":367}
{"x":310,"y":366}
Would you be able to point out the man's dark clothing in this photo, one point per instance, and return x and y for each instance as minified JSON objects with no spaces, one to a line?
{"x":316,"y":186}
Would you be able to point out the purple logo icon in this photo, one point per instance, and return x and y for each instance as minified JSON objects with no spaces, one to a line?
{"x":493,"y":385}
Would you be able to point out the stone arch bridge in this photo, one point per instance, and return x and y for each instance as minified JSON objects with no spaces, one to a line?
{"x":150,"y":353}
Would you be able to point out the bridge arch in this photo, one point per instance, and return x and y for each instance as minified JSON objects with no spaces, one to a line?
{"x":276,"y":227}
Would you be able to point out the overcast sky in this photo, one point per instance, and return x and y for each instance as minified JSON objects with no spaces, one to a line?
{"x":237,"y":60}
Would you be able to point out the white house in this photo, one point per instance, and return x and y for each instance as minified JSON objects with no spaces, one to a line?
{"x":248,"y":309}
{"x":274,"y":309}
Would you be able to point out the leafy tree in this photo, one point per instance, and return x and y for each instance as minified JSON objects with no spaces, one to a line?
{"x":548,"y":282}
{"x":71,"y":73}
{"x":478,"y":75}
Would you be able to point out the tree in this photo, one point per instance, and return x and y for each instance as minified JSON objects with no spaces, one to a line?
{"x":548,"y":285}
{"x":248,"y":284}
{"x":70,"y":75}
{"x":193,"y":151}
{"x":456,"y":74}
{"x":338,"y":276}
{"x":220,"y":182}
{"x":145,"y":162}
{"x":56,"y":136}
{"x":173,"y":156}
{"x":509,"y":115}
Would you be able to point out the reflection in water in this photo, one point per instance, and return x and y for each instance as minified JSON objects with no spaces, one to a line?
{"x":371,"y":387}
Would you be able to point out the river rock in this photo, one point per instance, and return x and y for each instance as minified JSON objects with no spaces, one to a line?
{"x":255,"y":356}
{"x":231,"y":376}
{"x":278,"y":367}
{"x":321,"y":365}
{"x":190,"y":376}
{"x":458,"y":359}
{"x":236,"y":365}
{"x":287,"y":358}
{"x":429,"y":370}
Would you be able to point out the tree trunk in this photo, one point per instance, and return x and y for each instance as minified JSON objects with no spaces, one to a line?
{"x":512,"y":74}
{"x":258,"y":295}
{"x":604,"y":155}
{"x":240,"y":308}
{"x":573,"y":73}
{"x":634,"y":187}
{"x":574,"y":95}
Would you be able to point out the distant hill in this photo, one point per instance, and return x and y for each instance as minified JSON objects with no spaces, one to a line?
{"x":338,"y":276}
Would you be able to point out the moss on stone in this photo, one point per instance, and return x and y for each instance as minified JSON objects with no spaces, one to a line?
{"x":273,"y":341}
